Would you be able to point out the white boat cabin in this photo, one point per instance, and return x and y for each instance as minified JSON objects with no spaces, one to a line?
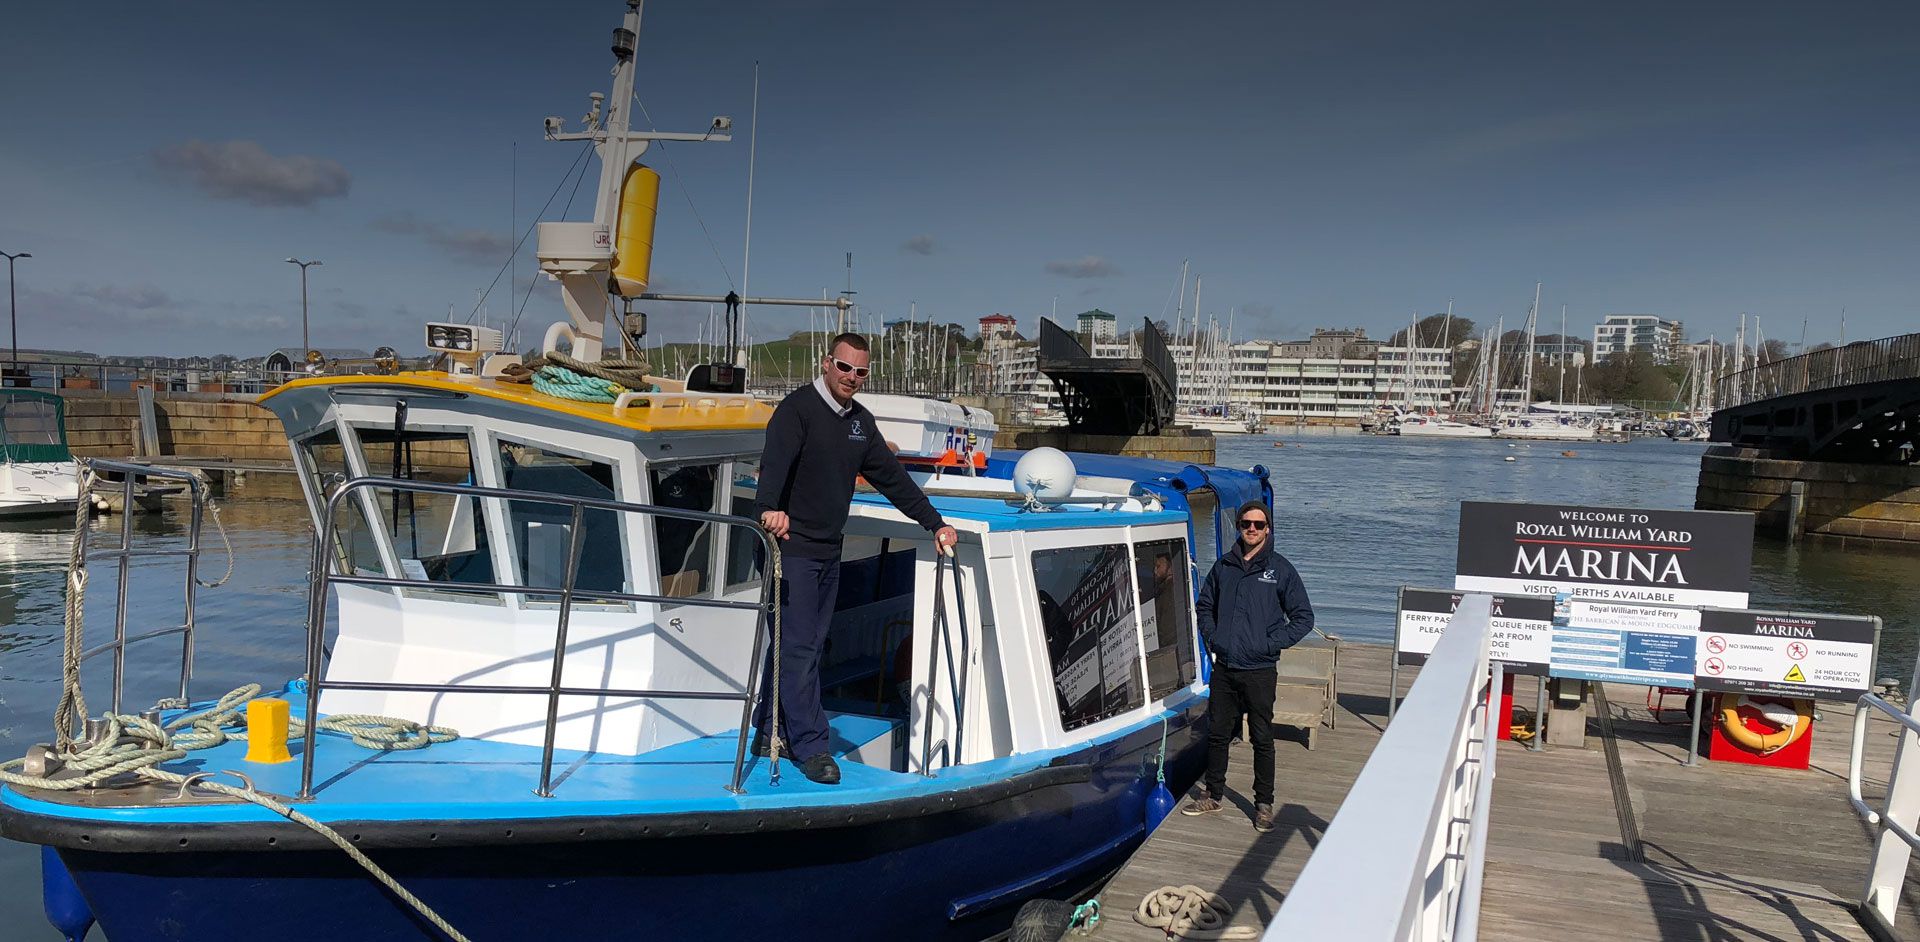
{"x":1062,"y":624}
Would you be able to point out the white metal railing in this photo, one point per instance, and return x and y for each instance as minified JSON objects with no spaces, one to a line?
{"x":1895,"y":840}
{"x":1404,"y":857}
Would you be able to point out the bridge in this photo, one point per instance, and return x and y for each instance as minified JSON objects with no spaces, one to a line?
{"x":1857,"y":403}
{"x":1111,"y":395}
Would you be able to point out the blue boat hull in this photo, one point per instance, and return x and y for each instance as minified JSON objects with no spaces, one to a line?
{"x":958,"y":874}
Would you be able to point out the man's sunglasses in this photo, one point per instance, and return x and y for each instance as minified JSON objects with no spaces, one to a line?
{"x":1255,"y":525}
{"x":845,"y":367}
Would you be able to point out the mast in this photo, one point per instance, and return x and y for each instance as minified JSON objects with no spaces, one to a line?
{"x":1526,"y":371}
{"x":580,"y":255}
{"x":1560,"y":395}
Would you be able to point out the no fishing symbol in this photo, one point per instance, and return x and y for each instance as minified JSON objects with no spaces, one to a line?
{"x":1714,"y":666}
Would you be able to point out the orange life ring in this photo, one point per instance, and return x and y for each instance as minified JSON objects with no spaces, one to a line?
{"x":1733,"y":723}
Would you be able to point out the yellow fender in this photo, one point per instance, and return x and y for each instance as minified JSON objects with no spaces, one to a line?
{"x":1736,"y":729}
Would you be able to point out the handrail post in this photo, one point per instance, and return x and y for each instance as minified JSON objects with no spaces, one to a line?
{"x":574,"y":538}
{"x":120,"y":601}
{"x":321,"y":579}
{"x":197,"y":501}
{"x":769,"y":598}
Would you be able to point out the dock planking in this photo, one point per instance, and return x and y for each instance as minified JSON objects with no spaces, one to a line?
{"x":1713,"y":852}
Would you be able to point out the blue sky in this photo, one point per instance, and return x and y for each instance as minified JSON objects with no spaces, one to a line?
{"x":1320,"y":164}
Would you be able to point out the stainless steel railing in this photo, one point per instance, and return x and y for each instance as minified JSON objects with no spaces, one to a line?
{"x":324,"y":560}
{"x":1894,"y":838}
{"x":1866,"y":361}
{"x":1404,"y":858}
{"x":123,"y":556}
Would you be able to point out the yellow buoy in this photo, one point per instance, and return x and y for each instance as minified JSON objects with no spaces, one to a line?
{"x":267,"y":731}
{"x":633,"y":242}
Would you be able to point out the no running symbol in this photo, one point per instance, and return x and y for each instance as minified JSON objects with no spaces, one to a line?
{"x":1797,"y":651}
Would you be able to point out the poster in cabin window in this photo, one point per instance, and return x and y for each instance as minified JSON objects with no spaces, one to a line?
{"x":1166,"y":614}
{"x":1087,"y":613}
{"x":1686,"y":558}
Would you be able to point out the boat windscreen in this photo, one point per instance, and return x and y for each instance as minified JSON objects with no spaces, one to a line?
{"x":32,"y":429}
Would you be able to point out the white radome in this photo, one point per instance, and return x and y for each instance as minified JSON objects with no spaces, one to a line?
{"x":1046,"y":473}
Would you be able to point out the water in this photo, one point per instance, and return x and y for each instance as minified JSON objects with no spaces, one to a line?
{"x":1359,"y":515}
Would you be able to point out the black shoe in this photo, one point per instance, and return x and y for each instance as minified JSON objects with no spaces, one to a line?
{"x":761,"y":748}
{"x":820,"y":768}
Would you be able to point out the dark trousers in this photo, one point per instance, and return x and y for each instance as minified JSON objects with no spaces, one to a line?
{"x":808,"y":588}
{"x":1234,"y":694}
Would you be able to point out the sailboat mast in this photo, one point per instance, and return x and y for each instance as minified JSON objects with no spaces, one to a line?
{"x":1526,"y":371}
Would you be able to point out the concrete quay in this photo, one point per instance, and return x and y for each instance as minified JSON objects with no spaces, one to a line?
{"x":1855,"y":506}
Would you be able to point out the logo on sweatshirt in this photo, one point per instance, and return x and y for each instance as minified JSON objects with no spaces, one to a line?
{"x":856,"y":434}
{"x":1269,"y":576}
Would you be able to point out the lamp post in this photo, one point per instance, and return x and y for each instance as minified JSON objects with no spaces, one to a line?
{"x":13,"y":306}
{"x":306,"y":346}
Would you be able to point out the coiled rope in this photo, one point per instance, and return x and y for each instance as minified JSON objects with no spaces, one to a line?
{"x":557,"y":374}
{"x":1189,"y":912}
{"x":127,"y":744}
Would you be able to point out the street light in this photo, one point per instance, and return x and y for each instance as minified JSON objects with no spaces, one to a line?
{"x":13,"y":305}
{"x":306,"y":346}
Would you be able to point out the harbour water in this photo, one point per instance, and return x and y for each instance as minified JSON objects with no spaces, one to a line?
{"x":1359,"y":516}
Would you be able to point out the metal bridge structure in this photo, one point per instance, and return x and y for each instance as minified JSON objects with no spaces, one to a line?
{"x":1111,"y":395}
{"x":1857,"y":403}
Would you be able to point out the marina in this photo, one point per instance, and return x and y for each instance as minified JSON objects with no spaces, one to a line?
{"x":637,"y":619}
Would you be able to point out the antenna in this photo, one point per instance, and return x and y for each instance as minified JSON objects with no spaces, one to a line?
{"x":753,"y":144}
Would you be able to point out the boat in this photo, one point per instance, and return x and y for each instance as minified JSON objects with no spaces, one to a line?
{"x":1220,"y":422}
{"x":535,"y":635}
{"x":1426,"y":426}
{"x":38,"y":477}
{"x":1544,"y":428}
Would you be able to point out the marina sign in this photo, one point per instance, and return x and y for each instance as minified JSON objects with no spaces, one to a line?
{"x":1606,"y":554}
{"x":1787,"y":654}
{"x":1522,"y":628}
{"x":1631,"y":644}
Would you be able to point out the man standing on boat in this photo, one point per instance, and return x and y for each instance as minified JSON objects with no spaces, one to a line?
{"x":818,"y":441}
{"x":1251,"y":608}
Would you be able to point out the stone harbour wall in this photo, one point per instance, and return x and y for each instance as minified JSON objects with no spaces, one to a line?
{"x":1868,"y":506}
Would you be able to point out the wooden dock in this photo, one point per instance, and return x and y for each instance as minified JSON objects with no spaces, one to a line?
{"x":1616,"y":841}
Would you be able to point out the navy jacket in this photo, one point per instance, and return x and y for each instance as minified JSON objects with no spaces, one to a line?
{"x":1252,"y":609}
{"x":807,"y":470}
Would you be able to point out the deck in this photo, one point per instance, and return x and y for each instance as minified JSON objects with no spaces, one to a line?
{"x":1617,"y":841}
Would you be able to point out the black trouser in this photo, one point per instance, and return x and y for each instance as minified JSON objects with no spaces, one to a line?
{"x":1236,"y":693}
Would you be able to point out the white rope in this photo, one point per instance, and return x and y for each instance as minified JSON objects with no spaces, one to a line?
{"x":1189,"y":912}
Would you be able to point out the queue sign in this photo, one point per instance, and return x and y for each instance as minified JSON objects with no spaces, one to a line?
{"x":1521,"y":627}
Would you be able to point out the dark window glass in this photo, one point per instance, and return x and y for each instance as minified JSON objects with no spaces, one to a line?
{"x":1166,"y":614}
{"x":685,"y":546}
{"x":326,"y":468}
{"x":437,"y":537}
{"x":1087,"y":613}
{"x":743,"y":547}
{"x":542,"y":533}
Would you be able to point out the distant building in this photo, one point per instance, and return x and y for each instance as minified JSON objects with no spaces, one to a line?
{"x":1097,"y":325}
{"x":996,"y":328}
{"x":1568,"y":353}
{"x":1625,"y":333}
{"x":1331,"y":343}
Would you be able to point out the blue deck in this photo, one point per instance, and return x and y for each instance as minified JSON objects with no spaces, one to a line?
{"x":474,"y":780}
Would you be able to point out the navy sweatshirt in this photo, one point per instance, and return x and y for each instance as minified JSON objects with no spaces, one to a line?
{"x":811,"y":459}
{"x":1252,"y":609}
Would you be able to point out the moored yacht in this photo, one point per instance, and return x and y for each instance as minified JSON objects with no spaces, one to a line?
{"x":38,"y":477}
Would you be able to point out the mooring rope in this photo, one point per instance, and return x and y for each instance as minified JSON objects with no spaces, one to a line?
{"x":557,"y":374}
{"x":1189,"y":912}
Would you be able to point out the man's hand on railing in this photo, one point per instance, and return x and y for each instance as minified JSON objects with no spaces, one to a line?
{"x":775,"y":523}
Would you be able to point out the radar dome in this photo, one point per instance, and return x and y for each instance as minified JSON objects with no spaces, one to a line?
{"x":1045,"y":473}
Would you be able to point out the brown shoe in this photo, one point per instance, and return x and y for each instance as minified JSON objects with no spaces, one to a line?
{"x":1263,"y":818}
{"x":1202,"y":803}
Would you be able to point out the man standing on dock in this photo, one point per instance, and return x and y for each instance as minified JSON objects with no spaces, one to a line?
{"x":818,"y":441}
{"x":1251,"y":608}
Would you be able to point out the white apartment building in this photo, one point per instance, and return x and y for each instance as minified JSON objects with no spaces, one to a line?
{"x":1624,"y":333}
{"x":1261,"y":378}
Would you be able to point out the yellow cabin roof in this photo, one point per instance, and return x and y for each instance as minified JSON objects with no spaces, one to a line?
{"x":650,"y":412}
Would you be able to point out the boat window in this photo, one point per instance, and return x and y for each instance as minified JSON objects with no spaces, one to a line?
{"x":437,"y":537}
{"x":326,"y":469}
{"x":685,"y":546}
{"x":1087,"y":613}
{"x":743,"y":547}
{"x":1166,"y":614}
{"x":1204,"y":504}
{"x":30,"y":430}
{"x":541,"y":533}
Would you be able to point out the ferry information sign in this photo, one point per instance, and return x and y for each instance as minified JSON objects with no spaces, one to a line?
{"x":1633,"y":644}
{"x":1785,"y":654}
{"x":1522,"y":628}
{"x":1685,"y":558}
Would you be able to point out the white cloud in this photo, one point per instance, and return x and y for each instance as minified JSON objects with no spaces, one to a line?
{"x":243,"y":170}
{"x":1091,"y":266}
